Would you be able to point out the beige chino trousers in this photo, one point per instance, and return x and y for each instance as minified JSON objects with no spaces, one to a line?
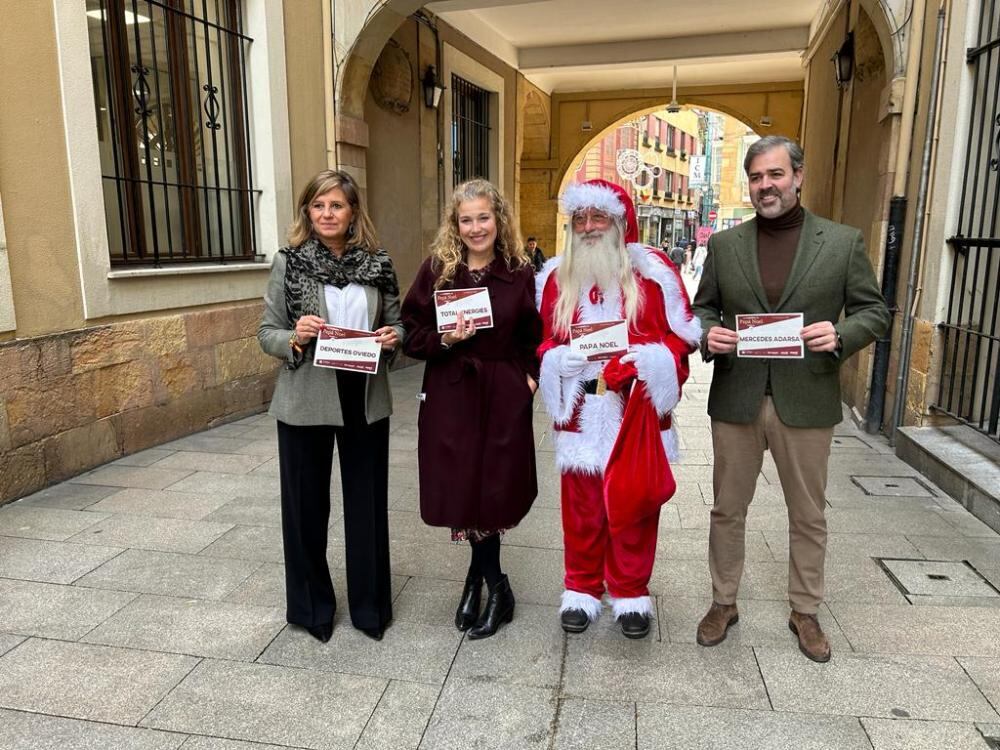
{"x":801,"y":456}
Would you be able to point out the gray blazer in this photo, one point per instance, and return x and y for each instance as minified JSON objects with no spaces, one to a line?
{"x":308,"y":395}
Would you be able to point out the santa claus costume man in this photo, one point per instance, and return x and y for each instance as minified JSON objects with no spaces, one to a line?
{"x":613,"y":429}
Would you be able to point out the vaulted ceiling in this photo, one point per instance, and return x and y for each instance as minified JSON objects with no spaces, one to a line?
{"x":587,"y":45}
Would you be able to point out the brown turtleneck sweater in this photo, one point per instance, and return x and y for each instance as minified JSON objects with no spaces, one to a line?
{"x":777,"y":240}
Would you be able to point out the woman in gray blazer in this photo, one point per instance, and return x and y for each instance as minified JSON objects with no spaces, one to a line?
{"x":334,"y":272}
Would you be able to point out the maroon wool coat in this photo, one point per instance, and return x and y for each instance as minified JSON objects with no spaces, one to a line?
{"x":476,"y":448}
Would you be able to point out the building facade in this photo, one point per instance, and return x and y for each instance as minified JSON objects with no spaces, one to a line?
{"x":171,"y":138}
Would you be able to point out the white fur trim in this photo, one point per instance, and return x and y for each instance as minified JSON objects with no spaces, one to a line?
{"x":587,"y":195}
{"x":542,"y":277}
{"x":671,"y":445}
{"x":657,"y":368}
{"x":642,"y":605}
{"x":587,"y":451}
{"x":559,"y":394}
{"x":589,"y":605}
{"x":609,"y":307}
{"x":650,"y":265}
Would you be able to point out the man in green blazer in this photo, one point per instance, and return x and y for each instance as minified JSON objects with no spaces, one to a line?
{"x":786,"y":260}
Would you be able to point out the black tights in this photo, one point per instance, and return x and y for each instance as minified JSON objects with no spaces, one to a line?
{"x":486,"y":560}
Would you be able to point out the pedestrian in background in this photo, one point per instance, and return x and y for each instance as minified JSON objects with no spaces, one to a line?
{"x":786,"y":260}
{"x":535,"y":253}
{"x":476,"y":449}
{"x":698,"y":261}
{"x":333,"y":271}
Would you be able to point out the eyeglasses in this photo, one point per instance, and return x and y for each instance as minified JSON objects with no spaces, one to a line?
{"x":594,"y":215}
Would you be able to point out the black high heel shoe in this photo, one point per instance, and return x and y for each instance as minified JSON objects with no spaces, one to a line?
{"x":468,"y":608}
{"x":499,"y":610}
{"x":321,"y":632}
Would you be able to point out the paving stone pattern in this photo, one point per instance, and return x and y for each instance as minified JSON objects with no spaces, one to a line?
{"x":142,"y":606}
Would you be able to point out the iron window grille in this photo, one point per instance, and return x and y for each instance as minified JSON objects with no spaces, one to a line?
{"x":170,"y":85}
{"x":470,"y":127}
{"x":969,"y":385}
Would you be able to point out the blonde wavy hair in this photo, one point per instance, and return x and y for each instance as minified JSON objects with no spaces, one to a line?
{"x":362,"y":231}
{"x":448,"y":250}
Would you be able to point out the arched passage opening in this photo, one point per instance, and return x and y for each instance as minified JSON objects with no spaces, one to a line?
{"x":579,"y":120}
{"x":682,"y":169}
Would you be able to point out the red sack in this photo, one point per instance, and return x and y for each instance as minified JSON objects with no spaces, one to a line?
{"x":638,"y":479}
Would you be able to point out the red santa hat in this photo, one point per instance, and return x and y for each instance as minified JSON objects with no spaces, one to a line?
{"x":603,"y":195}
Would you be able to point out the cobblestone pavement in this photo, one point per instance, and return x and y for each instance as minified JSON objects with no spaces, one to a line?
{"x":141,"y":606}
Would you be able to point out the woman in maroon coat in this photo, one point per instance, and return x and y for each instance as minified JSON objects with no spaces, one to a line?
{"x":476,"y":446}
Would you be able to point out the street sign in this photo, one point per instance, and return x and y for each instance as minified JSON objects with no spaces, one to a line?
{"x":713,"y":215}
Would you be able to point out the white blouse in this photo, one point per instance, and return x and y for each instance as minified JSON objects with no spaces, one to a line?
{"x":347,"y":307}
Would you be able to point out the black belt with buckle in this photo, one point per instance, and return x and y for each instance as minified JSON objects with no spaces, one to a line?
{"x":590,"y":386}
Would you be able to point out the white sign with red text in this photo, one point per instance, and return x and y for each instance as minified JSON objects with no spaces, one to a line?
{"x":474,"y":303}
{"x":770,"y":335}
{"x":599,"y":341}
{"x":347,"y":349}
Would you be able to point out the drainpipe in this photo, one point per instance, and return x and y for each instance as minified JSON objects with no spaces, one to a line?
{"x":883,"y":347}
{"x":897,"y":211}
{"x":329,"y":83}
{"x":906,"y":342}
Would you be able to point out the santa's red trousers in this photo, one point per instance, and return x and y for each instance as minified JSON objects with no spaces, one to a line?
{"x":593,"y":555}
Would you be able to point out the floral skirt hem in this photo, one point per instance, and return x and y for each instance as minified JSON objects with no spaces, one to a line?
{"x":476,"y":535}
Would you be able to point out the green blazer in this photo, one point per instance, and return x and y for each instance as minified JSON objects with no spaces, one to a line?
{"x":831,"y":274}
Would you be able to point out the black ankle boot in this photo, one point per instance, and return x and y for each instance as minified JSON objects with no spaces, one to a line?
{"x":468,"y":608}
{"x":499,"y":609}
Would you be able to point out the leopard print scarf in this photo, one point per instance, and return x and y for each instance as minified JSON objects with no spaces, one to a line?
{"x":311,"y":262}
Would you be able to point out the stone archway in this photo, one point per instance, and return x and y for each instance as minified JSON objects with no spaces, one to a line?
{"x":781,"y":102}
{"x":351,"y":87}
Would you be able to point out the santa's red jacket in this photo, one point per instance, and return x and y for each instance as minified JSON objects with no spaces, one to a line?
{"x":664,"y":333}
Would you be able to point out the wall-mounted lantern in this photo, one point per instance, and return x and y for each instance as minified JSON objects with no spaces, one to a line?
{"x":432,"y":88}
{"x":843,"y":61}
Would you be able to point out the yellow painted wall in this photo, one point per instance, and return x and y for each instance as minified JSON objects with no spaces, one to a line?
{"x":732,"y":177}
{"x":34,"y":178}
{"x":866,"y":182}
{"x":394,"y":168}
{"x":304,"y":77}
{"x":534,"y":136}
{"x":820,"y":138}
{"x":401,"y":161}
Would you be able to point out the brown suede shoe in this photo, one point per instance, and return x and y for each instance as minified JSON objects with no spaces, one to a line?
{"x":715,"y":624}
{"x":812,"y":640}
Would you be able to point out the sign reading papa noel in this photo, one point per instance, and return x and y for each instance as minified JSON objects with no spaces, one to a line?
{"x":599,"y":341}
{"x":474,"y":303}
{"x":347,"y":349}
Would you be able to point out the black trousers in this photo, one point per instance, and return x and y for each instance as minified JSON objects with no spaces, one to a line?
{"x":305,"y":455}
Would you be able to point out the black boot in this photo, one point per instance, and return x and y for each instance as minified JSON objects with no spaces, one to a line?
{"x":468,"y":608}
{"x":499,"y":609}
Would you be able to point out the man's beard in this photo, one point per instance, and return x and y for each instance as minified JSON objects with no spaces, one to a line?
{"x":597,"y":259}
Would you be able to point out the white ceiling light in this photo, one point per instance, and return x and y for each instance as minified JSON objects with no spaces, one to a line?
{"x":674,"y":107}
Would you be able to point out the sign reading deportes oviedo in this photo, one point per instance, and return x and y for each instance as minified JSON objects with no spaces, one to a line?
{"x":771,"y":335}
{"x":474,"y":303}
{"x":347,"y":349}
{"x":599,"y":341}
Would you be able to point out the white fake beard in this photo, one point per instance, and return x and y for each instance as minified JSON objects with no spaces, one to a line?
{"x":597,"y":261}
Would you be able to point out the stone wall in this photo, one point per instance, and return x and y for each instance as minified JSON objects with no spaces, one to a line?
{"x":72,"y":401}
